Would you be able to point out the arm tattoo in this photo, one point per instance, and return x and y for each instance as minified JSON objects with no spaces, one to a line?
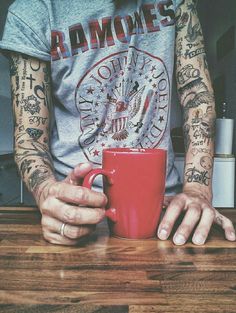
{"x":196,"y":97}
{"x":31,"y":98}
{"x":194,"y":175}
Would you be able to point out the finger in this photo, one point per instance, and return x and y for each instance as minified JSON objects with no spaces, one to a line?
{"x":172,"y":213}
{"x":227,"y":225}
{"x":70,"y":214}
{"x":52,"y":225}
{"x":57,"y":239}
{"x":191,"y":218}
{"x":204,"y":226}
{"x":77,"y":175}
{"x":77,"y":195}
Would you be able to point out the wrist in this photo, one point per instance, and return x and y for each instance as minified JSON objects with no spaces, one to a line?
{"x":200,"y":191}
{"x":41,"y":192}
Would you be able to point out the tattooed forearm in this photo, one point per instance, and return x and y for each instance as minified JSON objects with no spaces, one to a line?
{"x":196,"y":97}
{"x":187,"y":73}
{"x":192,"y":38}
{"x":30,"y":80}
{"x":194,"y":175}
{"x":36,"y":178}
{"x":33,"y":149}
{"x":206,"y":162}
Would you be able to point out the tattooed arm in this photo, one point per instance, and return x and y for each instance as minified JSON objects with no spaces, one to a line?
{"x":197,"y":100}
{"x":58,"y":201}
{"x":196,"y":97}
{"x":31,"y":106}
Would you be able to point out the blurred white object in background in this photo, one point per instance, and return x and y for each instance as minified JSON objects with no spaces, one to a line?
{"x":224,"y":136}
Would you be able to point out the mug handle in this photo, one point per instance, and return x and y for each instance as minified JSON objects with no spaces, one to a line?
{"x":88,"y":182}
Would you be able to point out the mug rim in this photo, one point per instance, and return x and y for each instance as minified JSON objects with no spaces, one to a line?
{"x":134,"y":150}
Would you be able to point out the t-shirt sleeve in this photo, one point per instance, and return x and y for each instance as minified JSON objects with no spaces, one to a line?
{"x":26,"y":33}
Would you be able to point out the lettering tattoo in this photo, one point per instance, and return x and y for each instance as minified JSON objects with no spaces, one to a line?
{"x":200,"y":129}
{"x":194,"y":175}
{"x":196,"y":151}
{"x":38,"y":120}
{"x":193,"y":53}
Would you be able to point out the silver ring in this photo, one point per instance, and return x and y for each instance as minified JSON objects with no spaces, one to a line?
{"x":62,"y":229}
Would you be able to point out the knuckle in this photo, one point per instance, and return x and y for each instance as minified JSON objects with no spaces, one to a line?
{"x":53,"y":189}
{"x":81,"y":194}
{"x":69,"y":214}
{"x":228,"y":223}
{"x":100,"y":214}
{"x":195,"y":210}
{"x":43,"y":222}
{"x":211,"y":212}
{"x":74,"y":233}
{"x":45,"y":206}
{"x":48,"y":206}
{"x":104,"y":200}
{"x":47,"y":237}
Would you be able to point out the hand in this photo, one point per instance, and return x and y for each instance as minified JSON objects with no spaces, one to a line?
{"x":67,"y":202}
{"x":198,"y":213}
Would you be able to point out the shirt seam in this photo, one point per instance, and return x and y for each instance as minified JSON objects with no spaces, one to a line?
{"x":19,"y":18}
{"x":23,"y":49}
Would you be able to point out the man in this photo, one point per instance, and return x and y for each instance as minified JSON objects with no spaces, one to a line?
{"x":97,"y":74}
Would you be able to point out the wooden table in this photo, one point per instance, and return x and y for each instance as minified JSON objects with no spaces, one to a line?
{"x":111,"y":275}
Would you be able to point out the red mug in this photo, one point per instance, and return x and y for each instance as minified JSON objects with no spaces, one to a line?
{"x":134,"y":182}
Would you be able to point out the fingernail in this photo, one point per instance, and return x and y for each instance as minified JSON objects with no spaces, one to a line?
{"x":163,"y":234}
{"x":179,"y":239}
{"x":198,"y":240}
{"x":84,"y":166}
{"x":232,"y":235}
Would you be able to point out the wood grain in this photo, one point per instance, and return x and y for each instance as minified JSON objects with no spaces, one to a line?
{"x":105,"y":274}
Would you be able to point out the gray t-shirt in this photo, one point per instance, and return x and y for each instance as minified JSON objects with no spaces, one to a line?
{"x":112,"y":67}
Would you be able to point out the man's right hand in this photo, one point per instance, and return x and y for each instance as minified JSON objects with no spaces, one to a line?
{"x":68,"y":202}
